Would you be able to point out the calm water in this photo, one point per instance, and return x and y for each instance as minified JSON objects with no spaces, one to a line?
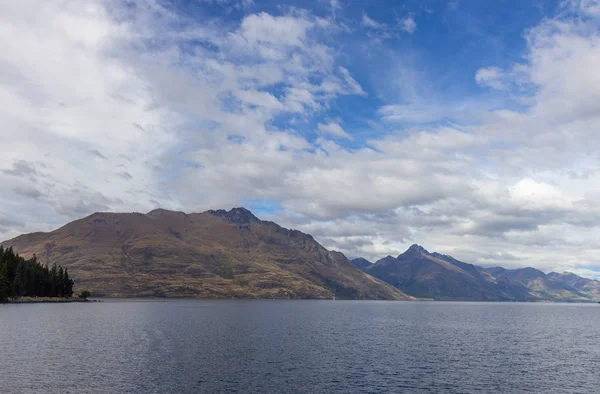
{"x":299,"y":346}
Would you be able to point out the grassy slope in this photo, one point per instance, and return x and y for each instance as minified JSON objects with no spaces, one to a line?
{"x":209,"y":255}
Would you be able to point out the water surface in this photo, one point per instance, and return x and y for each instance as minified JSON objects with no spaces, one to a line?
{"x":299,"y":347}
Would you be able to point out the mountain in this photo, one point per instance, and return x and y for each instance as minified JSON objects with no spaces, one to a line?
{"x":433,"y":275}
{"x":587,"y":288}
{"x":214,"y":254}
{"x":553,"y":286}
{"x":361,"y":264}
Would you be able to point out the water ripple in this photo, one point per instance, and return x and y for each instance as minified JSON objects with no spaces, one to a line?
{"x":299,"y":347}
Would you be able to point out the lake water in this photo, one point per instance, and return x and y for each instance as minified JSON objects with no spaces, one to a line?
{"x":299,"y":347}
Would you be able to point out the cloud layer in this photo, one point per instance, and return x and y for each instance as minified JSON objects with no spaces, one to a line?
{"x":127,"y":107}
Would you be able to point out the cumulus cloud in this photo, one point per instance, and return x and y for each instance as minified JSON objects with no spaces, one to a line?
{"x":370,"y":23}
{"x":283,"y":31}
{"x":408,"y":24}
{"x":333,"y":129}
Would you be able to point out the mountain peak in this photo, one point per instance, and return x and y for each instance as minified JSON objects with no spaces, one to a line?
{"x":361,"y":263}
{"x":416,"y":249}
{"x":236,"y":215}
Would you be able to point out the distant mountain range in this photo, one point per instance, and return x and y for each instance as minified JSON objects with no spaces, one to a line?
{"x":233,"y":254}
{"x":436,"y":276}
{"x":215,"y":254}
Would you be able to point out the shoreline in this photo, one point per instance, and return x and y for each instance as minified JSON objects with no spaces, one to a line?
{"x":425,"y":300}
{"x":61,"y":300}
{"x":42,"y":300}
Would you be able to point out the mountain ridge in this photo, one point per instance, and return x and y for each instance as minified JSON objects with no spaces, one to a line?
{"x":442,"y":277}
{"x":223,"y":254}
{"x":212,"y":254}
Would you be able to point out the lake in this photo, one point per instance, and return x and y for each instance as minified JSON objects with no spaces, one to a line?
{"x":189,"y":346}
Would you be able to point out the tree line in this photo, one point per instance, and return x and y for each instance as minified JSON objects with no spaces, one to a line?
{"x":28,"y":278}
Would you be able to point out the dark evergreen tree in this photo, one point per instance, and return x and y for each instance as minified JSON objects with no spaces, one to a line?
{"x":3,"y":280}
{"x":53,"y":279}
{"x":28,"y":278}
{"x":60,"y":282}
{"x":18,"y":285}
{"x":68,"y":284}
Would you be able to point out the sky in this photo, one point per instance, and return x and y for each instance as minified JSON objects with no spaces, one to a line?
{"x":469,"y":127}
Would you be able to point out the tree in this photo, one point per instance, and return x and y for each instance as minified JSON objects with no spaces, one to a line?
{"x":53,"y":281}
{"x":68,"y":284}
{"x":85,"y":294}
{"x":60,"y":282}
{"x":3,"y":281}
{"x":28,"y":278}
{"x":19,"y":287}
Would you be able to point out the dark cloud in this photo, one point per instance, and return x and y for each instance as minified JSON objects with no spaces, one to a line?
{"x":21,"y":168}
{"x":96,"y":152}
{"x":83,"y":201}
{"x":501,"y":224}
{"x":27,"y":191}
{"x":125,"y":175}
{"x":8,"y":223}
{"x":78,"y":208}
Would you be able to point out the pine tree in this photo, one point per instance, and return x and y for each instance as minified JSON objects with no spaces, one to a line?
{"x":3,"y":279}
{"x":18,"y":283}
{"x":28,"y":278}
{"x":68,"y":284}
{"x":60,"y":282}
{"x":53,"y":280}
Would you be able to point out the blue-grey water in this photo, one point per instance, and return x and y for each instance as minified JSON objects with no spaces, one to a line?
{"x":299,"y":347}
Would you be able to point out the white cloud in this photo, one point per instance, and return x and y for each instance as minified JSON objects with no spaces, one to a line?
{"x":370,"y":23}
{"x":589,"y":7}
{"x":99,"y":109}
{"x":491,"y":76}
{"x":263,"y":99}
{"x":112,"y":107}
{"x":335,"y":5}
{"x":408,"y":24}
{"x":64,"y":95}
{"x":333,"y":129}
{"x":351,"y":85}
{"x":263,"y":28}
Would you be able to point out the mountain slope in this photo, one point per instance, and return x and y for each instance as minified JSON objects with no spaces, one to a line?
{"x":433,"y":275}
{"x":361,"y":264}
{"x":587,"y":288}
{"x":214,"y":254}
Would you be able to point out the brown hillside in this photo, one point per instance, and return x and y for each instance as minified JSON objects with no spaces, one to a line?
{"x":215,"y":254}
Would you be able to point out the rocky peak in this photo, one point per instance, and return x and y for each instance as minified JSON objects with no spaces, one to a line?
{"x":236,"y":215}
{"x":416,"y":249}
